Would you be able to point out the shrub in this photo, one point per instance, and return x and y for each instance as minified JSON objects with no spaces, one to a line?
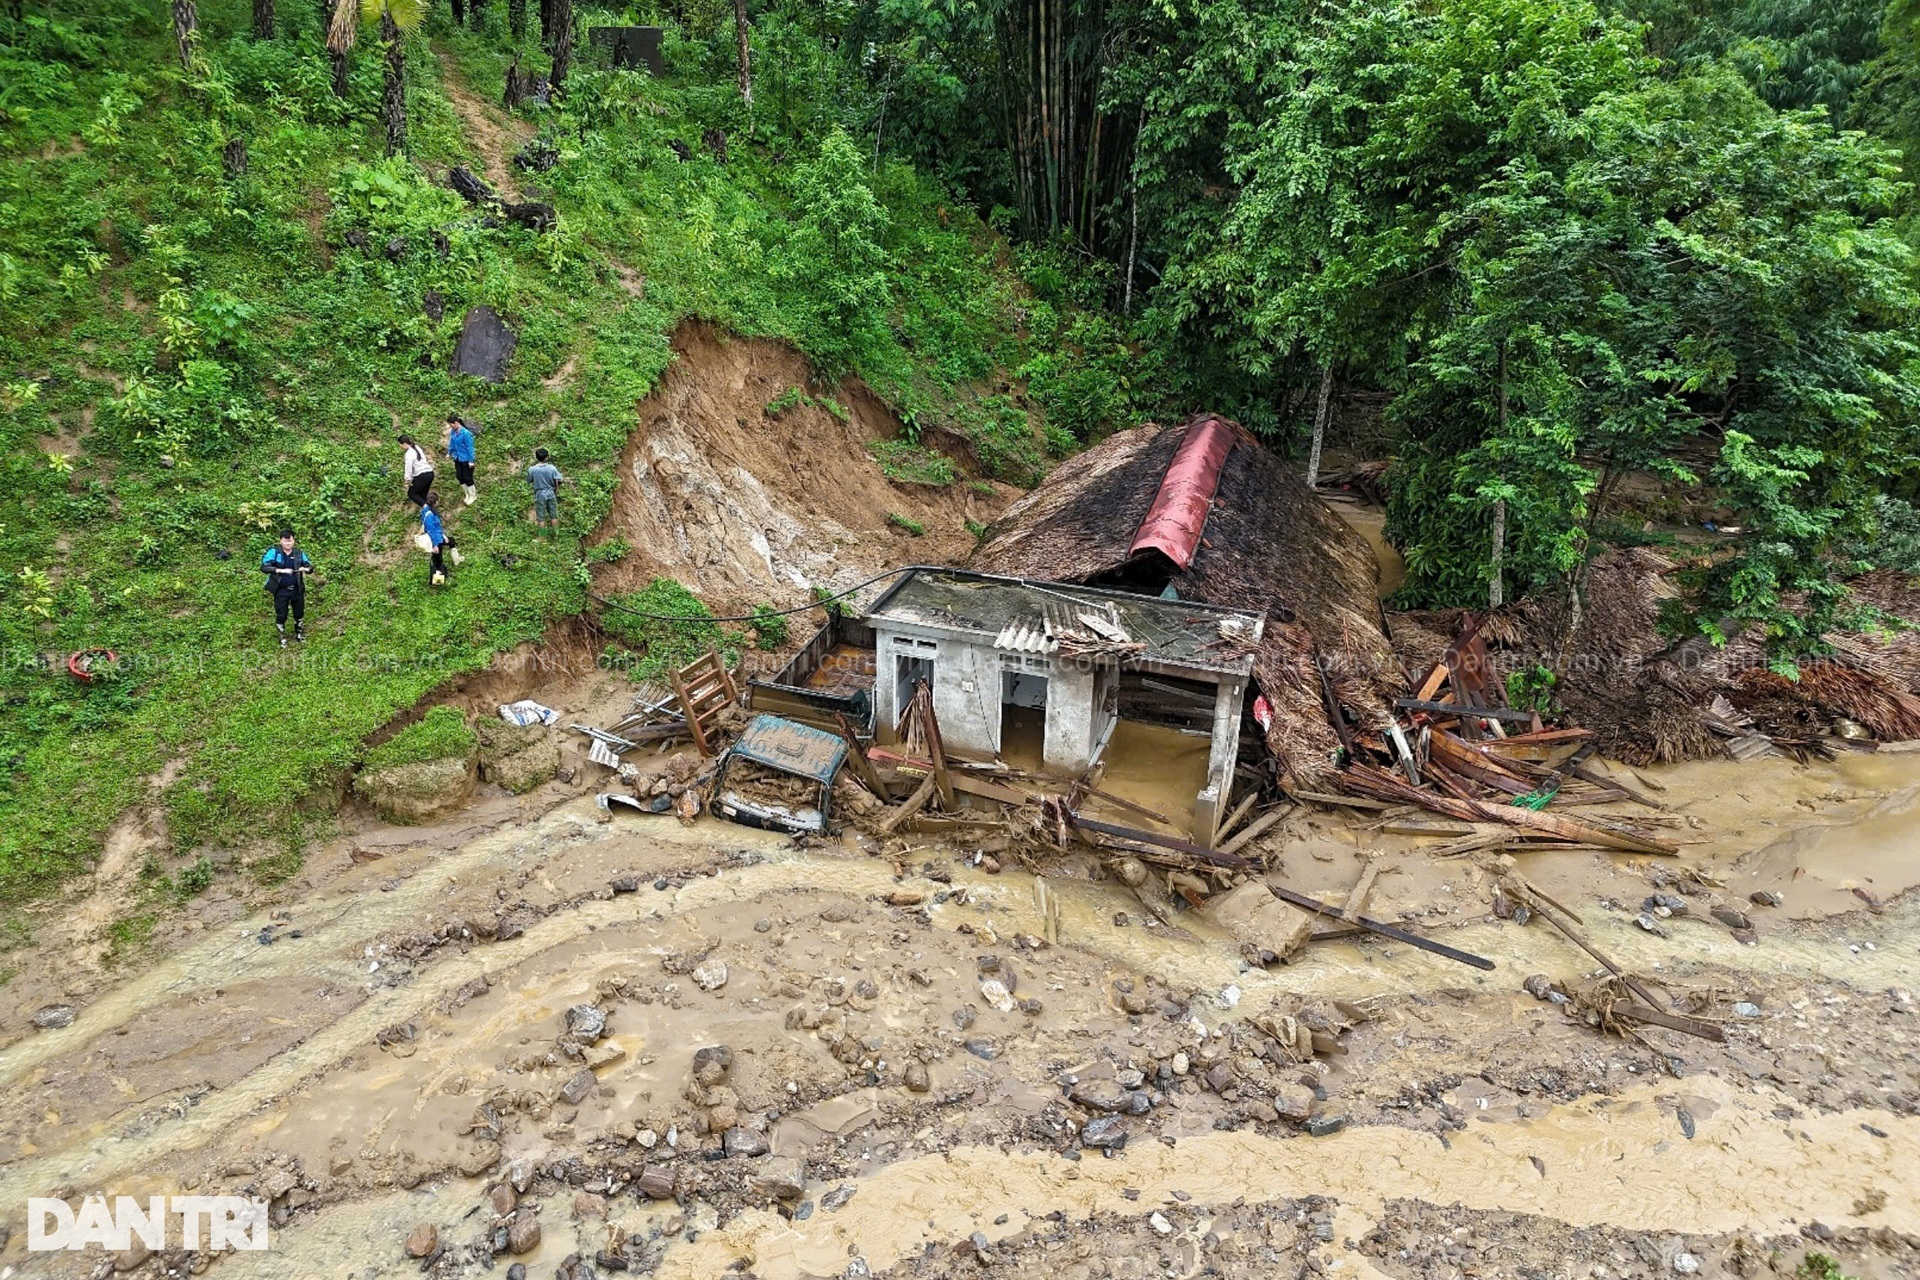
{"x":441,"y":733}
{"x":677,"y":628}
{"x":909,"y":463}
{"x":908,"y":523}
{"x":769,"y":627}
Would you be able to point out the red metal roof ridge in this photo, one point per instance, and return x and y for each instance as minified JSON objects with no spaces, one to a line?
{"x":1178,"y":516}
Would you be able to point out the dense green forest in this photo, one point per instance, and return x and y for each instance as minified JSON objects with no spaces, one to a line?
{"x":1558,"y":245}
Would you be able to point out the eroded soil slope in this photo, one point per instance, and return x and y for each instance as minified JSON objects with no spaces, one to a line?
{"x":742,"y":505}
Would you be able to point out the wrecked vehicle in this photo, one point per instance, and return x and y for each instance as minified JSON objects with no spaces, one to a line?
{"x":779,"y":776}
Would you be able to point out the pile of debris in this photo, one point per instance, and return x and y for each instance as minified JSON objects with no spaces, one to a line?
{"x":1493,"y":772}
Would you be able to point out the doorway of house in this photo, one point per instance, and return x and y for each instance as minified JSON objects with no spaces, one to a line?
{"x":1023,"y":718}
{"x":908,"y":672}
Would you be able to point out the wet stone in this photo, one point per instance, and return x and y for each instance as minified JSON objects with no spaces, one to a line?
{"x":1108,"y":1133}
{"x":711,"y":1064}
{"x":54,"y":1016}
{"x":742,"y":1141}
{"x":577,"y":1087}
{"x":1100,"y":1095}
{"x":422,"y":1240}
{"x":502,"y":1200}
{"x":624,"y":884}
{"x":656,"y":1182}
{"x":518,"y":1271}
{"x":837,"y":1198}
{"x":781,"y":1177}
{"x":587,"y":1021}
{"x":917,"y":1079}
{"x":982,"y":1049}
{"x":523,"y":1233}
{"x":710,"y":976}
{"x":1321,"y":1126}
{"x":484,"y":346}
{"x":1746,"y":1009}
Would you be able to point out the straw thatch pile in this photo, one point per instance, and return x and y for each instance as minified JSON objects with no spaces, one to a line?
{"x":1269,"y":544}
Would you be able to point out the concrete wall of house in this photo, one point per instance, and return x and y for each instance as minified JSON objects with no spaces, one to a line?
{"x":1223,"y":752}
{"x":1073,"y":727}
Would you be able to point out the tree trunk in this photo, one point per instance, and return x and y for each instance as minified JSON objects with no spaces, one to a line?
{"x":546,"y":25}
{"x":233,"y":158}
{"x":1133,"y":202}
{"x":324,"y":10}
{"x":339,"y":61}
{"x":394,"y":104}
{"x":263,"y":19}
{"x":1496,"y":589}
{"x":740,"y":37}
{"x":459,"y":13}
{"x":1320,"y":426}
{"x":186,"y":28}
{"x":517,"y":18}
{"x":562,"y":44}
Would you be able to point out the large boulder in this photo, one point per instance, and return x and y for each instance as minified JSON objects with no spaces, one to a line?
{"x":484,"y":346}
{"x":517,"y":758}
{"x":410,"y":793}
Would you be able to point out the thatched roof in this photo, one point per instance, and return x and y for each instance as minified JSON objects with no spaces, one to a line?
{"x":1269,"y":544}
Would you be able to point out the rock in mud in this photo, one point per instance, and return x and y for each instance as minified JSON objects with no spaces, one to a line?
{"x":588,"y":1206}
{"x":917,"y":1079}
{"x":1765,"y":898}
{"x":1099,"y":1095}
{"x":422,"y":1240}
{"x":656,"y":1182}
{"x":1293,"y":1102}
{"x":837,"y":1198}
{"x":485,"y":345}
{"x":741,"y":1141}
{"x":523,"y":1233}
{"x":781,"y":1177}
{"x":412,"y":793}
{"x":517,"y":758}
{"x":577,"y":1087}
{"x":502,"y":1200}
{"x":983,"y":1049}
{"x":995,"y":993}
{"x":587,"y":1021}
{"x":1685,"y":1263}
{"x":1321,"y":1126}
{"x":55,"y":1016}
{"x":1731,"y":918}
{"x":1107,"y":1133}
{"x":710,"y":976}
{"x":711,"y":1064}
{"x":624,"y":884}
{"x":1746,"y":1009}
{"x":518,"y":1271}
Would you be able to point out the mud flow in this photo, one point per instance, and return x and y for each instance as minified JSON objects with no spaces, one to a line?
{"x":538,"y":1037}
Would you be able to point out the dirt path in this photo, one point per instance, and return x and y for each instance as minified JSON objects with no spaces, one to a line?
{"x":910,"y":1068}
{"x":495,"y":134}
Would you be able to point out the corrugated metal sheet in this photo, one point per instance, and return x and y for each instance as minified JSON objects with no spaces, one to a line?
{"x":1040,"y":632}
{"x":1178,"y":515}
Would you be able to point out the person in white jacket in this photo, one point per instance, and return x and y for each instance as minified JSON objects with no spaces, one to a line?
{"x":418,"y":465}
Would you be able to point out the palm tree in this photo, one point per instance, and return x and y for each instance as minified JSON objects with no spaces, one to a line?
{"x":562,"y":44}
{"x":186,"y":26}
{"x":396,"y":19}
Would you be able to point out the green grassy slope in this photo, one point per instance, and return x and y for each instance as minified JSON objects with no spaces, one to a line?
{"x":189,"y":359}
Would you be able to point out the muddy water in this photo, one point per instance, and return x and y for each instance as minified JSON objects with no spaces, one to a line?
{"x":1156,"y":767}
{"x":1617,"y":1162}
{"x":1369,"y":522}
{"x":1835,"y":826}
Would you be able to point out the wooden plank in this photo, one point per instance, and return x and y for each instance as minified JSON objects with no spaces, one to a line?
{"x":1253,"y":830}
{"x":857,"y":755}
{"x":1475,"y":713}
{"x":988,"y":790}
{"x":1361,"y":891}
{"x":1343,"y":802}
{"x":1239,"y":812}
{"x":1211,"y":856}
{"x":1580,"y":940}
{"x":1672,"y":1021}
{"x":1384,"y":930}
{"x":906,"y":809}
{"x":936,"y":749}
{"x":1434,"y":680}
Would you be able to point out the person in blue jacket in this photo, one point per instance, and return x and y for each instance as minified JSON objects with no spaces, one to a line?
{"x":437,"y":540}
{"x":460,"y":449}
{"x":287,"y":569}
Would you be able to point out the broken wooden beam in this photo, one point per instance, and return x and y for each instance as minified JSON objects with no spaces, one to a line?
{"x":1384,"y":930}
{"x":1253,"y":830}
{"x":908,"y":807}
{"x":1672,"y":1021}
{"x":1579,"y":939}
{"x":857,"y":755}
{"x":1213,"y":857}
{"x":1464,"y":712}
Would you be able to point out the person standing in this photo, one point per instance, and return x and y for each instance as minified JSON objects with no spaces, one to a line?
{"x":439,"y":544}
{"x":545,"y":479}
{"x":287,"y":569}
{"x":418,"y":466}
{"x":460,"y":449}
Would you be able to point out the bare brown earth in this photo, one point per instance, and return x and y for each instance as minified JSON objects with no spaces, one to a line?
{"x":379,"y":1042}
{"x":744,"y":506}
